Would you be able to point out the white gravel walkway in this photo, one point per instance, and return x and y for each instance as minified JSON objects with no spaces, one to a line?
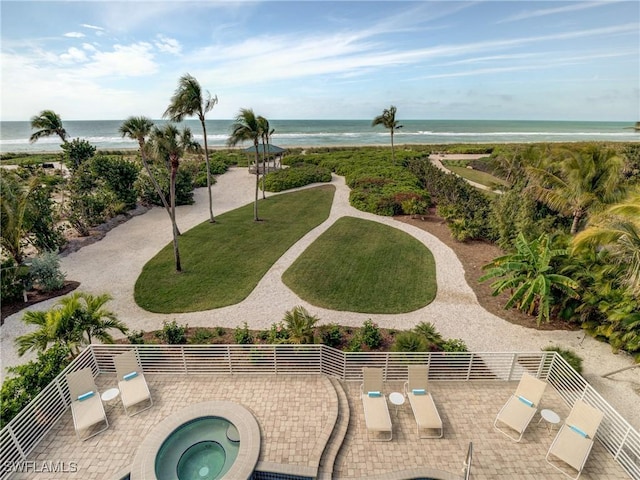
{"x":113,"y":264}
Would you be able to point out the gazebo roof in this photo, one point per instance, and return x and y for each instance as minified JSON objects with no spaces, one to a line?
{"x":268,"y":148}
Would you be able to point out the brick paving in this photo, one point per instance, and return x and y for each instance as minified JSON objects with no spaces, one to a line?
{"x":294,"y":412}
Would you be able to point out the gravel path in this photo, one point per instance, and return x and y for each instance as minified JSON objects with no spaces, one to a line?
{"x":113,"y":265}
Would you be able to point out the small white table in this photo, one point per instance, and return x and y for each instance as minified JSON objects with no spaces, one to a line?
{"x":549,"y":416}
{"x":397,"y":399}
{"x":109,"y":395}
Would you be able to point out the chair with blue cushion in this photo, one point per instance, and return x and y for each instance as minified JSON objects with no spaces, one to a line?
{"x":574,"y":440}
{"x":517,"y":413}
{"x":428,"y":421}
{"x":89,"y":417}
{"x":374,"y":402}
{"x":134,"y":390}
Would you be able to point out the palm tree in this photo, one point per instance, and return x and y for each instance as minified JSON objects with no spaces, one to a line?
{"x":300,"y":325}
{"x":581,"y":183}
{"x":67,"y":322}
{"x":529,"y":272}
{"x":14,"y":203}
{"x":388,"y":120}
{"x":168,"y":146}
{"x":49,"y":123}
{"x":94,"y":320}
{"x":139,"y":128}
{"x":189,"y":100}
{"x":247,"y":127}
{"x":617,"y":231}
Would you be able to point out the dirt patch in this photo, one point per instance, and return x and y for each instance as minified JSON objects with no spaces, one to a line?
{"x":36,"y":296}
{"x":473,"y":255}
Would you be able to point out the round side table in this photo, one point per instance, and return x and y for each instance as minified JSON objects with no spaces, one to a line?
{"x":549,"y":416}
{"x":397,"y":399}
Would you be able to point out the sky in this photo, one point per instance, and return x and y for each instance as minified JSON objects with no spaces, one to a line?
{"x":507,"y":60}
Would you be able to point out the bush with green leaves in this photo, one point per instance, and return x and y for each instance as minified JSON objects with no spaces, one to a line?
{"x":410,"y":341}
{"x":331,"y":335}
{"x":278,"y":333}
{"x":201,"y":336}
{"x":77,"y":152}
{"x":28,"y":380}
{"x":242,"y":335}
{"x":571,"y":357}
{"x":172,"y":333}
{"x":136,"y":337}
{"x":14,"y":280}
{"x":296,"y":176}
{"x":147,"y":193}
{"x":429,"y":333}
{"x":118,"y":176}
{"x":370,"y":335}
{"x":45,"y":272}
{"x":454,"y":345}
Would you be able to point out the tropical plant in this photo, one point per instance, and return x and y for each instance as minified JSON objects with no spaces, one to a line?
{"x":189,"y":100}
{"x":388,"y":120}
{"x":529,"y":274}
{"x":300,"y":325}
{"x":139,"y":129}
{"x":429,"y":333}
{"x":68,"y":322}
{"x":77,"y":152}
{"x":618,"y":231}
{"x":247,"y":127}
{"x":242,"y":335}
{"x":14,"y":203}
{"x":168,"y":146}
{"x":172,"y":333}
{"x":579,"y":182}
{"x":370,"y":334}
{"x":410,"y":342}
{"x":49,"y":123}
{"x":331,"y":335}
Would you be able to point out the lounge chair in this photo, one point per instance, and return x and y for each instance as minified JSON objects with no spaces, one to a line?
{"x":376,"y":411}
{"x":429,"y":424}
{"x":520,"y":408}
{"x":132,"y":384}
{"x":86,"y":404}
{"x":574,"y":440}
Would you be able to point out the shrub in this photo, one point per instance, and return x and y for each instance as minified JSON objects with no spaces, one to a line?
{"x":331,"y":335}
{"x":571,"y":357}
{"x":45,"y":272}
{"x":278,"y":333}
{"x":29,"y":380}
{"x":201,"y":336}
{"x":77,"y":151}
{"x":13,"y":280}
{"x":242,"y":336}
{"x":355,"y":344}
{"x":296,"y":176}
{"x":429,"y":333}
{"x":148,"y":195}
{"x":454,"y":345}
{"x":370,"y":335}
{"x":172,"y":333}
{"x":136,"y":337}
{"x":410,"y":342}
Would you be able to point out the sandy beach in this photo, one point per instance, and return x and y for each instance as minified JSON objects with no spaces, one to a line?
{"x":113,"y":264}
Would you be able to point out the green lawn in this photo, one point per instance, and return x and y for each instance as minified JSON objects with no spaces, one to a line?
{"x":363,"y":266}
{"x":223,"y":262}
{"x":483,"y":178}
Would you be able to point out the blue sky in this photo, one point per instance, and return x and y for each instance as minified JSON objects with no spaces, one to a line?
{"x":546,"y":60}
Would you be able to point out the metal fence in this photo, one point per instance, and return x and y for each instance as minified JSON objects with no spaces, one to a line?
{"x":23,"y":433}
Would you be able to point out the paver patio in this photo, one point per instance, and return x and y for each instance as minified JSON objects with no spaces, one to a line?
{"x":295,"y":412}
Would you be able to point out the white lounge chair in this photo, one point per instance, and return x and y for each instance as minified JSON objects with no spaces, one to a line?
{"x":132,"y":384}
{"x":428,"y":421}
{"x":517,"y":413}
{"x":86,"y":404}
{"x":376,"y":410}
{"x":574,"y":440}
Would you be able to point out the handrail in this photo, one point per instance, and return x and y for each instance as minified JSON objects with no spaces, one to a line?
{"x":23,"y":433}
{"x":467,"y":462}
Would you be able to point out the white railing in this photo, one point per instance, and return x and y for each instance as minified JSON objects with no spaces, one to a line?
{"x":23,"y":433}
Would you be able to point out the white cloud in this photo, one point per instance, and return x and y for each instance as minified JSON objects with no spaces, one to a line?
{"x":92,"y":27}
{"x":74,"y":35}
{"x":73,"y":55}
{"x":124,"y":60}
{"x":168,"y":45}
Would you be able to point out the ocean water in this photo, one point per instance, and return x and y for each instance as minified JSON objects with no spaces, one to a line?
{"x":14,"y":136}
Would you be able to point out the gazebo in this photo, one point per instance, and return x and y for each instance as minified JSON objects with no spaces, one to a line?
{"x":273,"y":152}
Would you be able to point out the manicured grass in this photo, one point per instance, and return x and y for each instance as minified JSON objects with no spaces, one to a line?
{"x":483,"y":178}
{"x":363,"y":266}
{"x":223,"y":262}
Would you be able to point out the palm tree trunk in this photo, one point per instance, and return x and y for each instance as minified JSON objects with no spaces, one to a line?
{"x":264,"y":166}
{"x":576,"y":221}
{"x":255,"y":203}
{"x":393,"y":154}
{"x":206,"y":160}
{"x":172,"y":194}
